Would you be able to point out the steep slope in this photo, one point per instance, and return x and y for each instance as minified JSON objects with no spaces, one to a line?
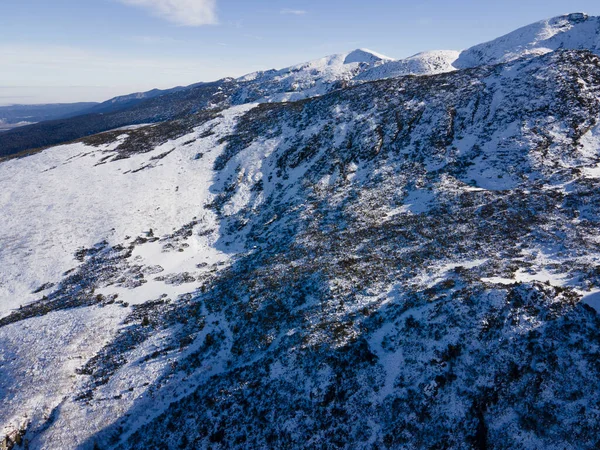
{"x":399,"y":264}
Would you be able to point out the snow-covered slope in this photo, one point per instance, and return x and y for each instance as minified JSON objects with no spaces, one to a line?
{"x":354,"y":255}
{"x":364,"y":55}
{"x":576,"y":31}
{"x":399,"y":264}
{"x":70,"y":197}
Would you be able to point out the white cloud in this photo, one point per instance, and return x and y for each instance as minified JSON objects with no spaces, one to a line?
{"x":191,"y":13}
{"x":295,"y":12}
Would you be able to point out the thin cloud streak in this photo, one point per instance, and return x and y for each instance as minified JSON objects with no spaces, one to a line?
{"x":189,"y":13}
{"x":295,"y":12}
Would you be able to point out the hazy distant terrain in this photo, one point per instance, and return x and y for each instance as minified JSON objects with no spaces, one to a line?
{"x":15,"y":114}
{"x":9,"y":126}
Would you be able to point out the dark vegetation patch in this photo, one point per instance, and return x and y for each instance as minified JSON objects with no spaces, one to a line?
{"x":146,"y":139}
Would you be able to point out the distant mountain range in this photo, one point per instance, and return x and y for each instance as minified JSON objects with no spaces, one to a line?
{"x":574,"y":31}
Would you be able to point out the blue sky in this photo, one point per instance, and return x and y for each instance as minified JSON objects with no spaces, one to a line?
{"x":90,"y":50}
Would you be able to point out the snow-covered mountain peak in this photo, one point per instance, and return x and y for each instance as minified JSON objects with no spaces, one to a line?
{"x":364,"y":55}
{"x":311,"y":78}
{"x":424,"y":63}
{"x":576,"y":31}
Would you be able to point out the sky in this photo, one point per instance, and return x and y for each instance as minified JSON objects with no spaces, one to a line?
{"x":91,"y":50}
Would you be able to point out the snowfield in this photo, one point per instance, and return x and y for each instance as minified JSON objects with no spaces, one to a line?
{"x":68,"y":198}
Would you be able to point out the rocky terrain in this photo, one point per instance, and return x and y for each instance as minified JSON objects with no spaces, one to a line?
{"x":407,"y":261}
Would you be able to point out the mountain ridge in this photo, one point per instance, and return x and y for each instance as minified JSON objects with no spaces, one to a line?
{"x":576,"y":31}
{"x":571,"y":31}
